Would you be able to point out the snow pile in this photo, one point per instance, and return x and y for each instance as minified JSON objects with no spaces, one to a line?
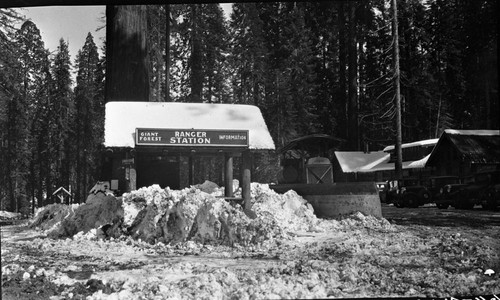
{"x":91,"y":235}
{"x":212,"y":187}
{"x":50,"y":218}
{"x":199,"y":213}
{"x":218,"y":222}
{"x":136,"y":201}
{"x":154,"y":214}
{"x":358,"y":220}
{"x":100,"y":211}
{"x":290,"y":211}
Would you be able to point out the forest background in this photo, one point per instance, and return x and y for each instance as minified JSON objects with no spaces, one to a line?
{"x":311,"y":67}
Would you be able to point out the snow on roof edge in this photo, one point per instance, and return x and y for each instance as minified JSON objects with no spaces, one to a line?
{"x":413,"y":144}
{"x":473,"y":132}
{"x":419,"y":163}
{"x":368,"y":167}
{"x":354,"y":161}
{"x":123,"y":117}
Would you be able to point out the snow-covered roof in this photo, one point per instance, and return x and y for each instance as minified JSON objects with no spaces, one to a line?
{"x":480,"y":146}
{"x":429,"y":142}
{"x":351,"y":162}
{"x":419,"y":163}
{"x":385,"y":165}
{"x":473,"y":132}
{"x":123,"y":118}
{"x":370,"y":166}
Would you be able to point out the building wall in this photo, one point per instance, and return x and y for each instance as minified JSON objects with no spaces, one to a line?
{"x":114,"y":169}
{"x":449,"y":162}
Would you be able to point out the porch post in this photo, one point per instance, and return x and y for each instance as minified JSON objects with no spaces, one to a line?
{"x":228,"y":175}
{"x":246,"y":179}
{"x":191,"y":169}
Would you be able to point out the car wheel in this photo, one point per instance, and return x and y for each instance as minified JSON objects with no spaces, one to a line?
{"x":491,"y":202}
{"x":426,"y":197}
{"x":401,"y":202}
{"x":465,"y":204}
{"x":412,"y":201}
{"x":463,"y":201}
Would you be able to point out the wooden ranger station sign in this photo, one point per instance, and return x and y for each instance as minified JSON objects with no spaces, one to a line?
{"x":191,"y":137}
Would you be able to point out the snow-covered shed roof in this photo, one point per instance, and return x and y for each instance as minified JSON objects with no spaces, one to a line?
{"x":429,"y":142}
{"x":475,"y":146}
{"x":419,"y":163}
{"x":473,"y":132}
{"x":351,"y":162}
{"x":385,"y":165}
{"x":123,"y":118}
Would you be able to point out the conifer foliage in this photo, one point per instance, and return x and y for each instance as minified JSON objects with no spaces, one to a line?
{"x":311,"y":67}
{"x":51,"y":130}
{"x":13,"y":119}
{"x":199,"y":45}
{"x":88,"y":118}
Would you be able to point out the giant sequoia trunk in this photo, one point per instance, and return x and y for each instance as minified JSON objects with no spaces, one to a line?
{"x":127,"y":60}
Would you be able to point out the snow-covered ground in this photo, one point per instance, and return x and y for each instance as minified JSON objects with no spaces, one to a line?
{"x":7,"y":215}
{"x":301,"y":257}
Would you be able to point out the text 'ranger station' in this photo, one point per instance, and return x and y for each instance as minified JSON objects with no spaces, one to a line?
{"x":190,"y":137}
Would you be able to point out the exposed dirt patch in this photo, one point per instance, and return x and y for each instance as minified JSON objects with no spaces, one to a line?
{"x":431,"y":216}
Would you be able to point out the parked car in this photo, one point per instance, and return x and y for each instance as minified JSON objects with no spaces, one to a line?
{"x":410,"y":192}
{"x":482,"y":188}
{"x":479,"y":191}
{"x":393,"y":188}
{"x":436,"y":183}
{"x":447,"y":195}
{"x":491,"y":200}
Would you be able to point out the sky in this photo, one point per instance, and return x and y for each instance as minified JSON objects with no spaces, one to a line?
{"x":73,"y":23}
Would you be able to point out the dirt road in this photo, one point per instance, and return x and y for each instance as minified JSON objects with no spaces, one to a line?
{"x":432,"y":216}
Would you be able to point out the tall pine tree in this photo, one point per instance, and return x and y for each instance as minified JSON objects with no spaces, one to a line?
{"x":248,"y":54}
{"x":63,"y":107}
{"x":87,"y":135}
{"x":29,"y":114}
{"x":13,"y":118}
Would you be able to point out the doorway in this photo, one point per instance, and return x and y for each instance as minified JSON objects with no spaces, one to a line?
{"x":157,"y":169}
